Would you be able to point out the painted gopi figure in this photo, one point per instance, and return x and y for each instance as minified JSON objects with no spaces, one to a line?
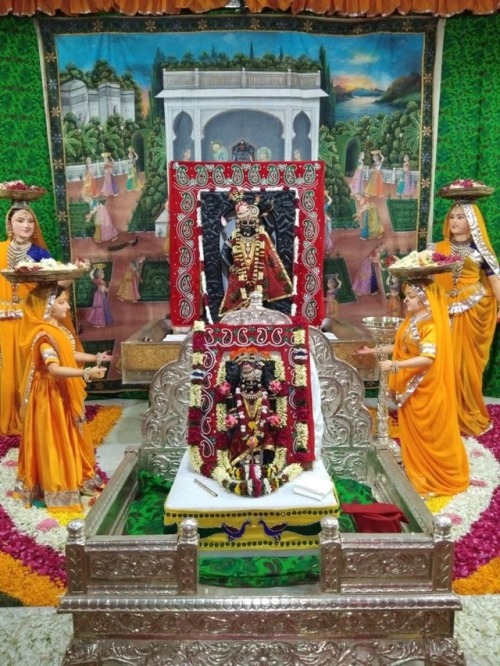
{"x":56,"y":456}
{"x":421,"y":384}
{"x":473,"y":302}
{"x":24,"y":243}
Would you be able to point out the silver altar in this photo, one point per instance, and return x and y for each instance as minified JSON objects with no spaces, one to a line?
{"x":381,"y":598}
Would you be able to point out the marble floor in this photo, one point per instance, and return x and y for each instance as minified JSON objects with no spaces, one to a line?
{"x":39,"y":635}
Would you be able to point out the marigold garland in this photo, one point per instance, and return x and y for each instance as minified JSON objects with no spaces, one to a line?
{"x":103,"y":420}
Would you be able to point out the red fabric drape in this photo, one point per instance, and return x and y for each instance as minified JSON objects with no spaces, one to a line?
{"x":362,"y":8}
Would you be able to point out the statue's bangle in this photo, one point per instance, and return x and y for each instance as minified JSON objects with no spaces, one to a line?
{"x":86,"y":375}
{"x":98,"y":359}
{"x":394,"y":366}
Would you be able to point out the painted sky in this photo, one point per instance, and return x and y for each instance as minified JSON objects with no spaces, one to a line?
{"x":372,"y":61}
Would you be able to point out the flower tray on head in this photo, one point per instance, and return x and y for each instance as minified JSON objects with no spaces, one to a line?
{"x":20,"y":193}
{"x":423,"y":271}
{"x":465,"y":188}
{"x":40,"y":275}
{"x":425,"y":263}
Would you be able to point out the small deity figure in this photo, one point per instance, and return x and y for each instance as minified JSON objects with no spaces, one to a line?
{"x":251,"y":419}
{"x":251,"y":424}
{"x":252,"y":260}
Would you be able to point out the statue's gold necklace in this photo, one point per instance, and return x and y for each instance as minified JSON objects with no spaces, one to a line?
{"x":248,"y":250}
{"x":253,"y":408}
{"x":17,"y":252}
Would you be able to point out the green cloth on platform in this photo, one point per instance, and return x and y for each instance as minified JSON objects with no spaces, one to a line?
{"x":146,"y":517}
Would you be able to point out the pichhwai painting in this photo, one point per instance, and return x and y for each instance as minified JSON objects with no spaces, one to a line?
{"x":130,"y":98}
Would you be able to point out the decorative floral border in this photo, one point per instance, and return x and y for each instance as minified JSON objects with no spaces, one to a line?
{"x":207,"y":426}
{"x":474,"y":514}
{"x":187,"y":180}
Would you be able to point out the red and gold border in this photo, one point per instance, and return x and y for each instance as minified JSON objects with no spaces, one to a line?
{"x":188,"y":179}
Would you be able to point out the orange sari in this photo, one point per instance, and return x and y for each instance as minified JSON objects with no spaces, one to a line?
{"x":433,"y":453}
{"x":11,"y":359}
{"x":56,"y":458}
{"x":11,"y":365}
{"x":473,"y":309}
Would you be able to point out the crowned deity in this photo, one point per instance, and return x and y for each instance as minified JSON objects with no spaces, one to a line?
{"x":252,"y":260}
{"x":252,"y":421}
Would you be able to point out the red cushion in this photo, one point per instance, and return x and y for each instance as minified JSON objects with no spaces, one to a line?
{"x":376,"y":517}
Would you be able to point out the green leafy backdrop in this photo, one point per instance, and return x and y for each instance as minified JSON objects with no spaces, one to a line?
{"x":469,"y":122}
{"x":467,"y":137}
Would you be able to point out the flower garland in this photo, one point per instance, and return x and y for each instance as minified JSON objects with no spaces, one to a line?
{"x":254,"y":280}
{"x":252,"y":479}
{"x":251,"y":420}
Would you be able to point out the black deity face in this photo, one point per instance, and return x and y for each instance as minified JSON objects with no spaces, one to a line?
{"x":251,"y":375}
{"x":248,"y":228}
{"x":248,"y":218}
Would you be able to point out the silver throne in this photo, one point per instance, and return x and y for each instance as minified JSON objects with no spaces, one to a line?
{"x":381,"y":598}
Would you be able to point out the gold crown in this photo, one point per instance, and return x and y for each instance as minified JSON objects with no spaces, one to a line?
{"x":236,"y":195}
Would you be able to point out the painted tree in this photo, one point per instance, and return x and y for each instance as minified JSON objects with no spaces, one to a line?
{"x":335,"y":182}
{"x":326,"y":104}
{"x":154,"y":192}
